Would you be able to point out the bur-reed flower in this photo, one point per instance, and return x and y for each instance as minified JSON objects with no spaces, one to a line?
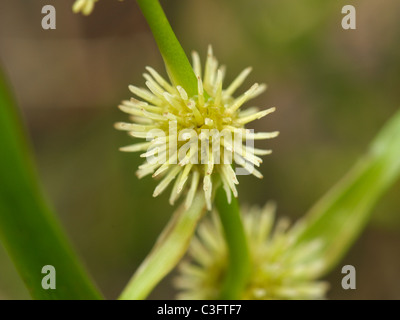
{"x":280,"y":269}
{"x":190,"y":138}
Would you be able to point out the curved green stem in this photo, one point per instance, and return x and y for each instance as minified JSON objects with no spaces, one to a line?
{"x":176,"y":62}
{"x":167,"y":252}
{"x":181,"y":72}
{"x":239,"y":258}
{"x":338,"y":218}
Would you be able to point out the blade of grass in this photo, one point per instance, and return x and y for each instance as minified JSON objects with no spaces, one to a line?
{"x":168,"y":250}
{"x":339,"y":217}
{"x":29,"y":231}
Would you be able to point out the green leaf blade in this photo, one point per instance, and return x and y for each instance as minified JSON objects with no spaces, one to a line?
{"x":340,"y":216}
{"x":170,"y":247}
{"x":28,"y":229}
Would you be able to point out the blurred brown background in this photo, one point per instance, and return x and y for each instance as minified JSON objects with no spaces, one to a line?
{"x":333,"y":90}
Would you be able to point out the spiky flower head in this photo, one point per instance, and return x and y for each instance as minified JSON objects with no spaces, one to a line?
{"x":281,"y":269}
{"x":193,"y":137}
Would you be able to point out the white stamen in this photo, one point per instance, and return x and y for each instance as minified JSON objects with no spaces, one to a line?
{"x":129,"y":110}
{"x":153,"y":116}
{"x":152,"y":152}
{"x":145,"y":94}
{"x":166,"y":181}
{"x":133,"y":127}
{"x":250,"y":168}
{"x":196,"y":64}
{"x":154,"y":88}
{"x":184,"y":176}
{"x":242,"y":99}
{"x":218,"y":88}
{"x":200,"y":91}
{"x":228,"y":179}
{"x":138,"y":134}
{"x":261,"y":88}
{"x":136,"y":147}
{"x":237,"y":82}
{"x":141,"y":120}
{"x":209,"y":68}
{"x":182,"y":93}
{"x":161,"y":169}
{"x":172,"y":101}
{"x":207,"y":187}
{"x":192,"y":190}
{"x":248,"y":111}
{"x":260,"y":135}
{"x":161,"y":80}
{"x":174,"y":193}
{"x":210,"y":165}
{"x":255,"y":116}
{"x":197,"y":115}
{"x":142,"y":172}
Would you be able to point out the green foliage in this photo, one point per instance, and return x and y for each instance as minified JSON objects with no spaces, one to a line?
{"x":28,"y":229}
{"x":339,"y":217}
{"x":167,"y":252}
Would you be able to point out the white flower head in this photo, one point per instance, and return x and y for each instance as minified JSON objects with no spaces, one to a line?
{"x":280,"y":269}
{"x":191,"y":137}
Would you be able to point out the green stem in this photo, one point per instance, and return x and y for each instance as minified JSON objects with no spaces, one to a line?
{"x":340,"y":216}
{"x":167,"y":252}
{"x":176,"y":62}
{"x":29,"y":231}
{"x":181,"y":72}
{"x":239,"y":258}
